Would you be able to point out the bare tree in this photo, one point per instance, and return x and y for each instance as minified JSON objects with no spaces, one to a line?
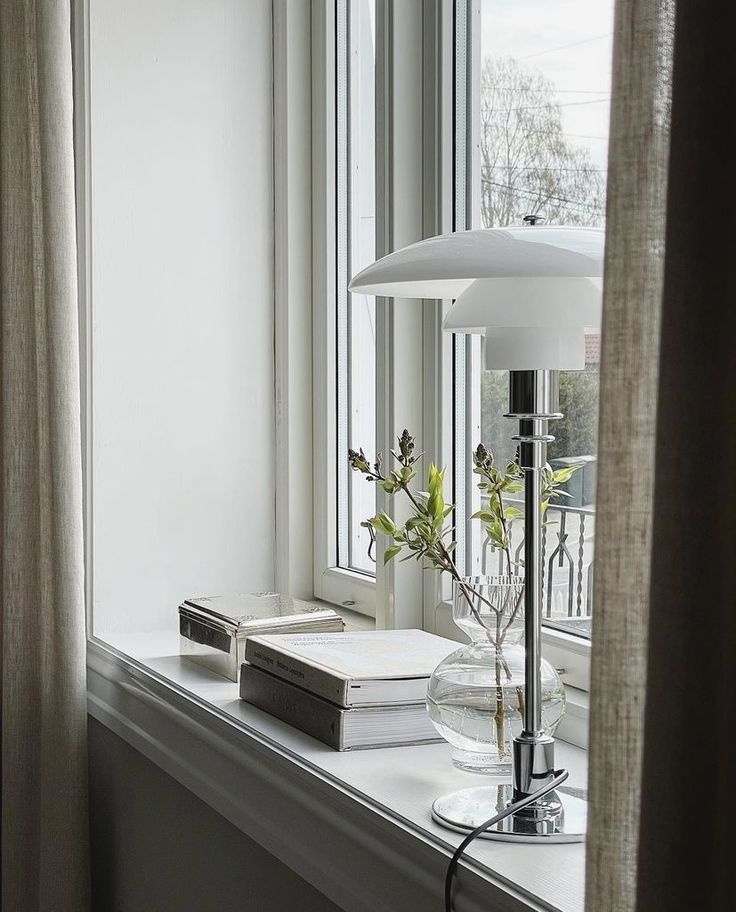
{"x":527,"y":164}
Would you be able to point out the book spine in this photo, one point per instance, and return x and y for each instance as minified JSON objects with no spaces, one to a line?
{"x":296,"y":707}
{"x":317,"y":681}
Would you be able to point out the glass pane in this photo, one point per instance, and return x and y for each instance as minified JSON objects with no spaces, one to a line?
{"x":356,"y":248}
{"x":543,"y":110}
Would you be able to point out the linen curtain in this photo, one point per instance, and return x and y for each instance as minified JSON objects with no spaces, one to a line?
{"x":663,"y":688}
{"x":44,"y":769}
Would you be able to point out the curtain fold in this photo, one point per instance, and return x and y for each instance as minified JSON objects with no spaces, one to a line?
{"x":44,"y":771}
{"x":686,"y":856}
{"x":636,"y":218}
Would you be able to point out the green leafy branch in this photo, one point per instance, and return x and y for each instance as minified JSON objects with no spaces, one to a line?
{"x":498,"y":516}
{"x":425,"y":534}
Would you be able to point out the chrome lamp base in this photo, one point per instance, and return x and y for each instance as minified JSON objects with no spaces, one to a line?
{"x":555,"y":818}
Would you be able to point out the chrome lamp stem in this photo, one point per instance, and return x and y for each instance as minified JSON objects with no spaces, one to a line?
{"x":533,"y":401}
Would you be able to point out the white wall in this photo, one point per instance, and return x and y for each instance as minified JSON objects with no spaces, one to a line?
{"x":182,"y":298}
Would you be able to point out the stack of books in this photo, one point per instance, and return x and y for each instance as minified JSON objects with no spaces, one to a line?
{"x":350,"y":690}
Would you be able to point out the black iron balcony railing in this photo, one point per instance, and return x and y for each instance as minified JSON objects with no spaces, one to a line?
{"x":567,"y":552}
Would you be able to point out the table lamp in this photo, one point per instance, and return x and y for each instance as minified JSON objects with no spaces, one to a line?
{"x":532,"y":291}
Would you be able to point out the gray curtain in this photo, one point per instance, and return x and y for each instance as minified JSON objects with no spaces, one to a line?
{"x":663,"y":689}
{"x":44,"y":771}
{"x":629,"y":375}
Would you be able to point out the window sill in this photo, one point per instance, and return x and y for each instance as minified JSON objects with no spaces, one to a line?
{"x":355,"y":825}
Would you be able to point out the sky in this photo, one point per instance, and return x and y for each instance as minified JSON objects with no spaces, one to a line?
{"x":569,"y":41}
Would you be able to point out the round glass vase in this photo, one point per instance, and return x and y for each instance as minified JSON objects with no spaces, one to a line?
{"x":475,"y":696}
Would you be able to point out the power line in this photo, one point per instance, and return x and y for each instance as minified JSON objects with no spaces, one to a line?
{"x":554,"y":104}
{"x":564,"y":47}
{"x":585,"y":136}
{"x":557,"y":91}
{"x":543,"y":168}
{"x":575,"y":204}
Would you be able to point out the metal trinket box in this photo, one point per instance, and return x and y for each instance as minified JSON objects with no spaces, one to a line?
{"x":212,"y":631}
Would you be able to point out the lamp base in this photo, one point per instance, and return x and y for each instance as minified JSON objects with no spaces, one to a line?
{"x":555,"y":818}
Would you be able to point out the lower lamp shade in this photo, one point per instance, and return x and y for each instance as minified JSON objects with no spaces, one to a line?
{"x":530,"y":323}
{"x":531,"y":348}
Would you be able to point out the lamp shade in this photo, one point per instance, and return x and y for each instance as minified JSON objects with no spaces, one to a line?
{"x":532,"y":291}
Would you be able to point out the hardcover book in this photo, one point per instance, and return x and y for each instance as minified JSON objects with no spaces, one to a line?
{"x":364,"y":668}
{"x":340,"y":728}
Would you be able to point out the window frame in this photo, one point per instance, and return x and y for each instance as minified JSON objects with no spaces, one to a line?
{"x":430,"y":69}
{"x":331,"y":582}
{"x":413,"y":192}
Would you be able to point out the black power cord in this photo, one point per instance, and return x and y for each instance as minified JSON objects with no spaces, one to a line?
{"x":560,"y":777}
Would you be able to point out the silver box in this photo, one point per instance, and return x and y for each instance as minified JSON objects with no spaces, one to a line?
{"x":212,"y":631}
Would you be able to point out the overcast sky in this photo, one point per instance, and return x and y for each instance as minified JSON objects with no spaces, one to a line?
{"x":570,"y":42}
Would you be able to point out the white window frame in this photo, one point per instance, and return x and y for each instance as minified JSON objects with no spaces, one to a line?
{"x":411,"y":352}
{"x":416,"y":198}
{"x":414,"y":137}
{"x":341,"y":586}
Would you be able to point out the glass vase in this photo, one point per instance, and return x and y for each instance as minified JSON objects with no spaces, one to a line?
{"x":476,"y":695}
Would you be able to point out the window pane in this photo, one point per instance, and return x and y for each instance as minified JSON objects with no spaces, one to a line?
{"x":542,"y":129}
{"x":356,"y":404}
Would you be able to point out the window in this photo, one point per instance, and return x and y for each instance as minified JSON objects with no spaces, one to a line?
{"x":356,"y":248}
{"x":345,"y":324}
{"x":533,"y":108}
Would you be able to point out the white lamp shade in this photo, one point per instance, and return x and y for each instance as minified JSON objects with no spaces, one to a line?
{"x":444,"y":266}
{"x":530,"y":323}
{"x":532,"y":290}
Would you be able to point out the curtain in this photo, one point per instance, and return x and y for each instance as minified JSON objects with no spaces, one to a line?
{"x":689,"y":759}
{"x":44,"y":822}
{"x":663,"y":672}
{"x":626,"y":448}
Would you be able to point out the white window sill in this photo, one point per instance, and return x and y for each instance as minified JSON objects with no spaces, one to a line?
{"x":356,"y":825}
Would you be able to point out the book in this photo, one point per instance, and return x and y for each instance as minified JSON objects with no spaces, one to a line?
{"x":342,"y":729}
{"x":363,"y":668}
{"x":213,"y":631}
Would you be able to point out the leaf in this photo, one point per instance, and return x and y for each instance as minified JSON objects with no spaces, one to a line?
{"x":383,"y":523}
{"x":560,"y":476}
{"x":496,"y":533}
{"x":390,"y":553}
{"x":436,"y":500}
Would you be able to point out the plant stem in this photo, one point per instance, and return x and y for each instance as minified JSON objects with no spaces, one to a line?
{"x":500,"y":733}
{"x":504,"y":526}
